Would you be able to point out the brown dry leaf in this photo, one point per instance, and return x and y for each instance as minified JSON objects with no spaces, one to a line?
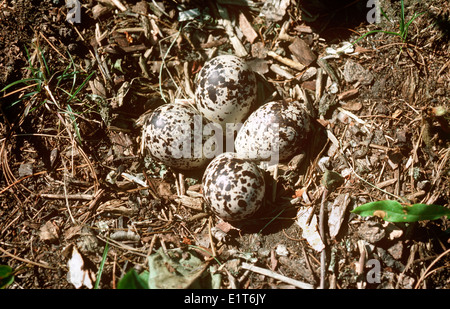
{"x":72,"y":232}
{"x":224,"y":226}
{"x":164,"y":189}
{"x":347,"y":94}
{"x":299,"y":192}
{"x":352,"y":106}
{"x":49,"y":232}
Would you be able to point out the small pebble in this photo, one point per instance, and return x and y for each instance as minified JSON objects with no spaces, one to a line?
{"x":371,"y":231}
{"x":281,"y":250}
{"x":25,"y":169}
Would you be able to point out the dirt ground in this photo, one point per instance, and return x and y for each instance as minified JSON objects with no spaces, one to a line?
{"x":71,"y":143}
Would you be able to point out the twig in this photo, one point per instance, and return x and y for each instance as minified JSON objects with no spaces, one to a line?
{"x":362,"y":262}
{"x":356,"y":118}
{"x":19,"y":180}
{"x":86,"y":197}
{"x":122,"y":246}
{"x":187,"y":81}
{"x":164,"y":64}
{"x":308,"y":264}
{"x":408,"y":264}
{"x":119,"y":5}
{"x":211,"y":240}
{"x":293,"y":64}
{"x":95,"y":198}
{"x":272,"y":274}
{"x":427,"y":273}
{"x":323,"y":256}
{"x":275,"y":183}
{"x":319,"y":85}
{"x":25,"y":260}
{"x":52,"y":46}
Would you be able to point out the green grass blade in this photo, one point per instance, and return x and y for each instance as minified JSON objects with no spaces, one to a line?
{"x":384,"y":14}
{"x":24,"y":81}
{"x":63,"y":76}
{"x":405,"y":31}
{"x":372,"y":32}
{"x":102,"y":265}
{"x":47,"y":69}
{"x":75,"y":125}
{"x":80,"y":87}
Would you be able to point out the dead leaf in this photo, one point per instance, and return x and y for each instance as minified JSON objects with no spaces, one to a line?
{"x":224,"y":226}
{"x":164,"y":189}
{"x":79,"y":275}
{"x":72,"y":232}
{"x":299,"y":192}
{"x":347,"y":94}
{"x":49,"y":232}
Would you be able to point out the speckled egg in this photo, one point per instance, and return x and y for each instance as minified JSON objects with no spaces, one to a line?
{"x":232,"y":187}
{"x":225,"y":90}
{"x":173,"y":135}
{"x":275,"y":131}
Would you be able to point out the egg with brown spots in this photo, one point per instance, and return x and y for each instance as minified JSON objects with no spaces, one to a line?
{"x":233,"y":188}
{"x":173,"y":135}
{"x":275,"y":131}
{"x":225,"y":90}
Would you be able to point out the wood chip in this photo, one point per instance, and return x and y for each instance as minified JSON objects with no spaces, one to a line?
{"x":246,"y":28}
{"x":302,"y":52}
{"x":338,"y":210}
{"x":190,"y":202}
{"x":280,"y":71}
{"x":303,"y":29}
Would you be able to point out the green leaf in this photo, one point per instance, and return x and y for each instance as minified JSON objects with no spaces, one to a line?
{"x":6,"y":276}
{"x":132,"y":280}
{"x":393,"y":211}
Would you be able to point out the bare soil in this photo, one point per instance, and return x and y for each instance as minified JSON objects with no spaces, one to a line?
{"x":75,"y":125}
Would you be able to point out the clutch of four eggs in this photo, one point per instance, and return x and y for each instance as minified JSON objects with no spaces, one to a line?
{"x":225,"y":118}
